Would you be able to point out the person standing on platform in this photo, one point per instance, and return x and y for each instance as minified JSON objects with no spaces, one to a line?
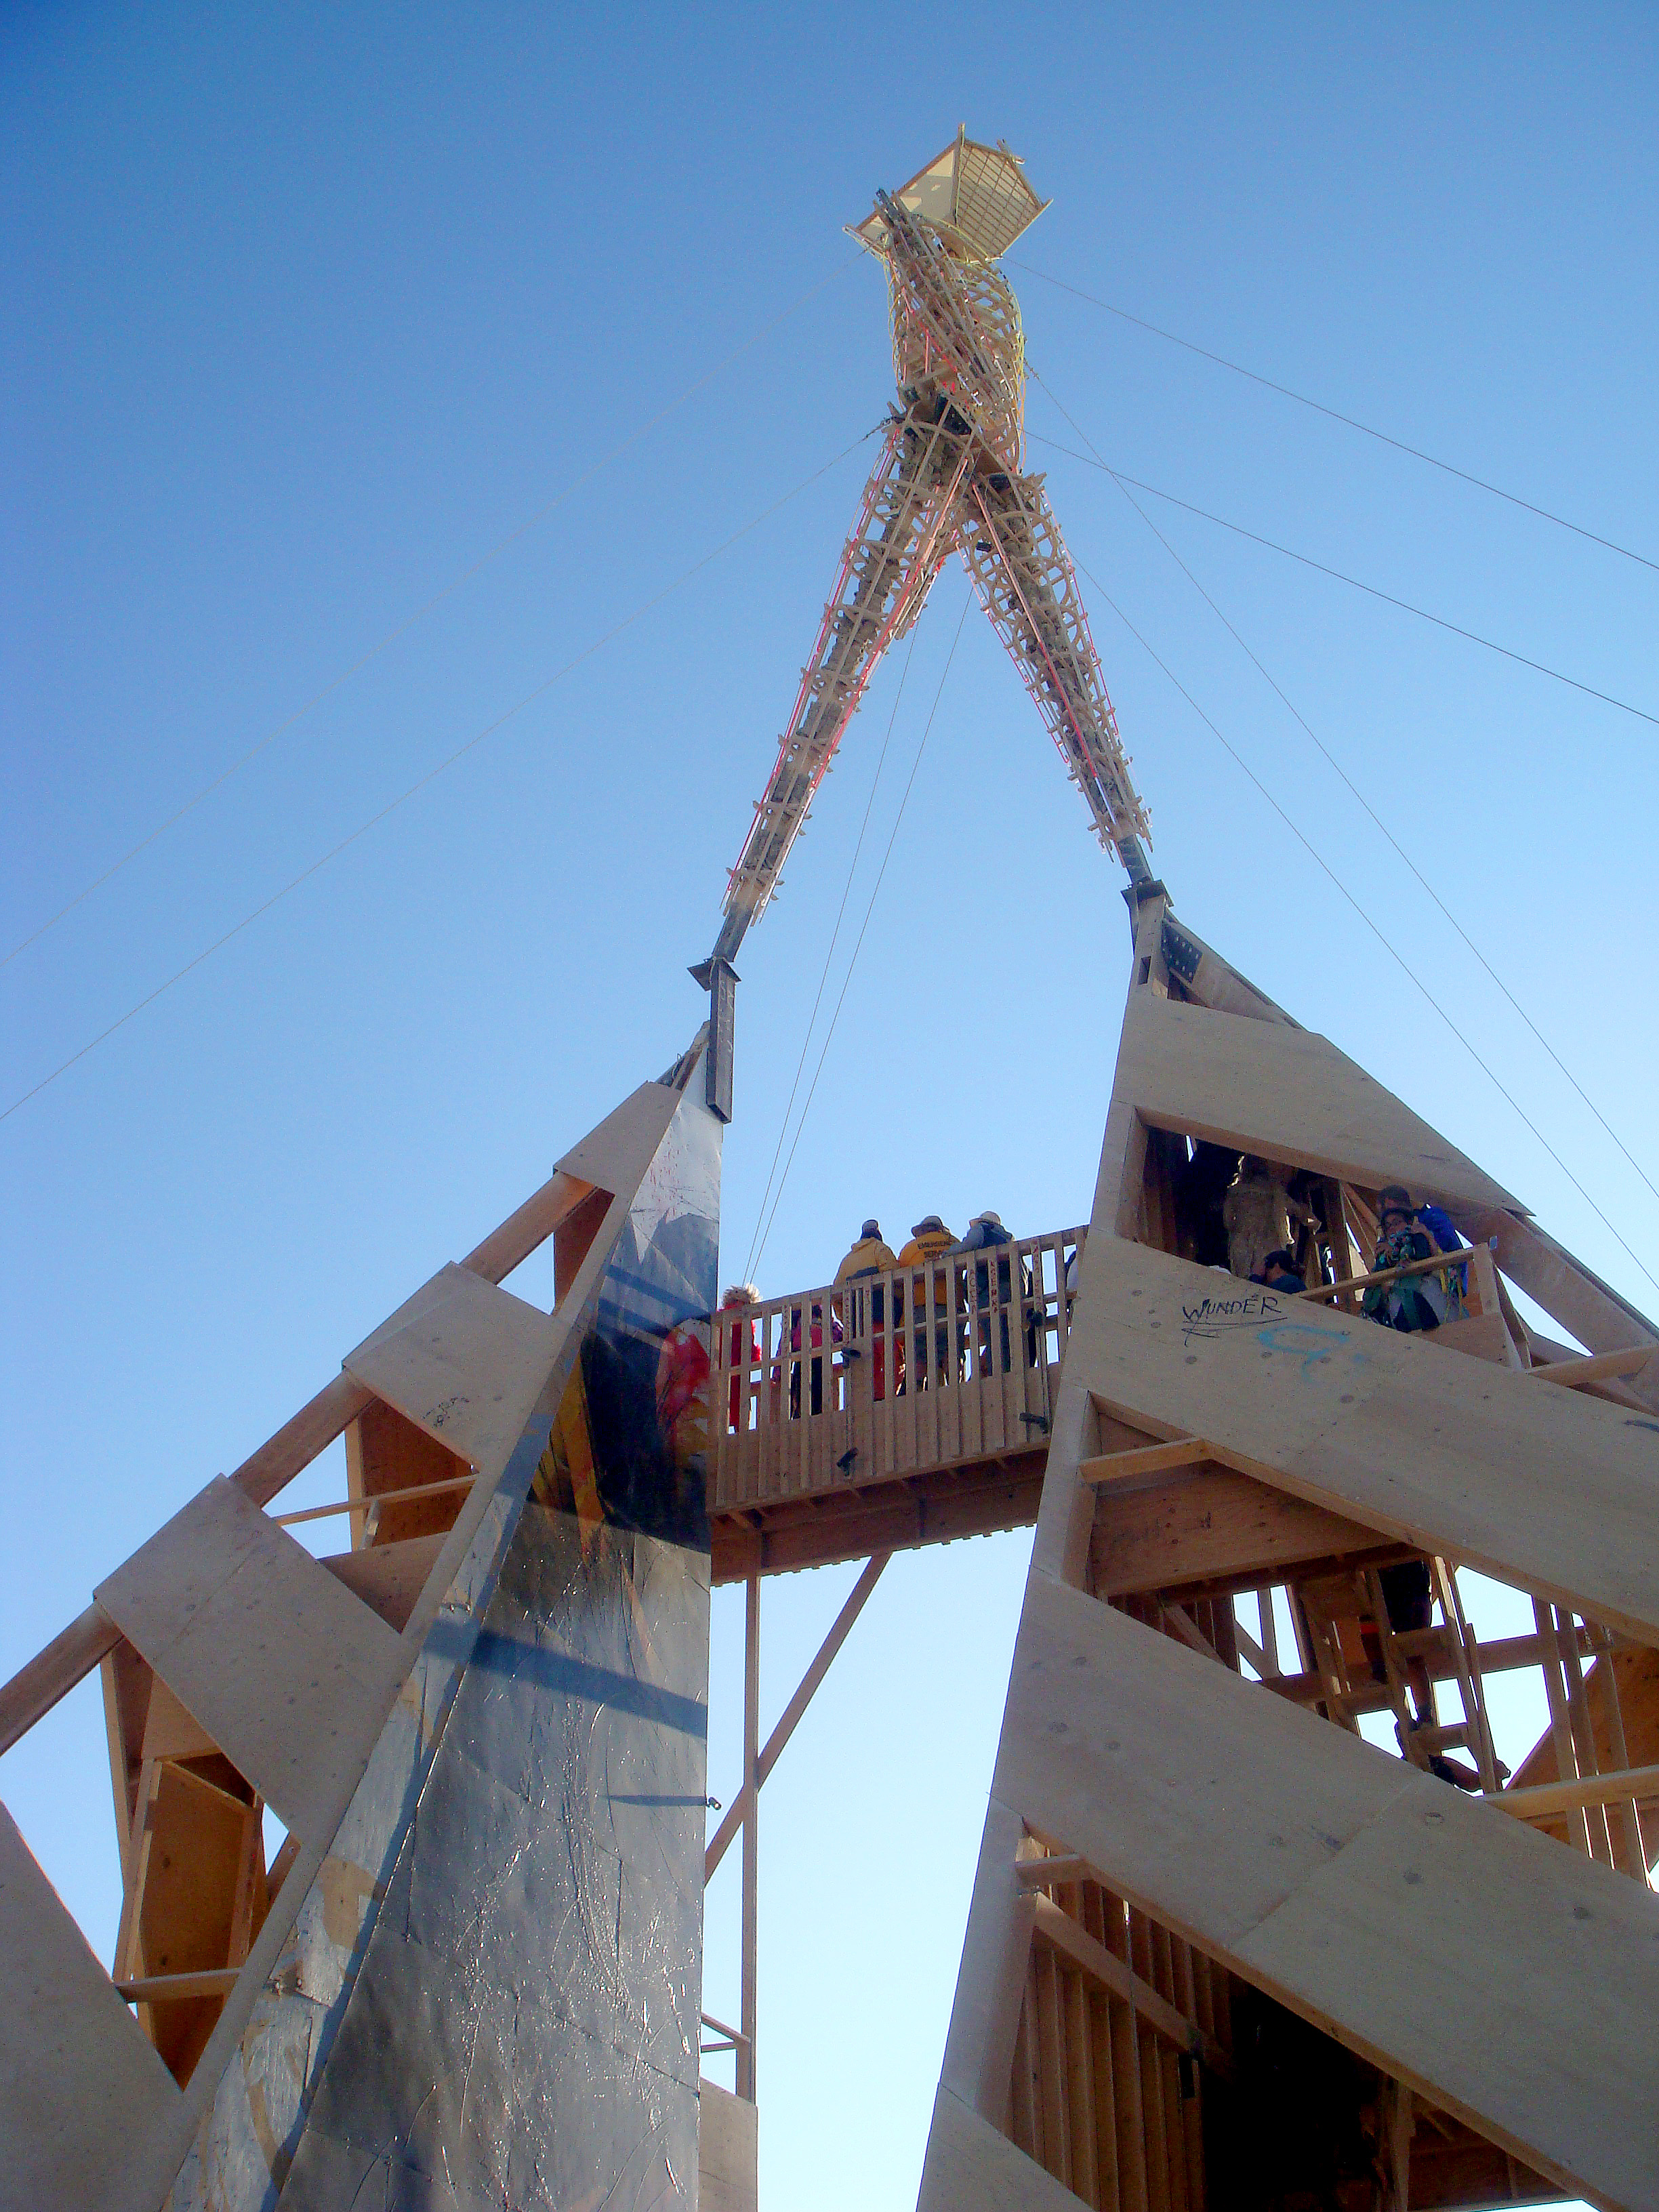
{"x":871,"y":1256}
{"x":985,"y":1231}
{"x":1256,"y":1212}
{"x":929,"y":1240}
{"x":739,"y":1358}
{"x":1441,"y":1226}
{"x":1411,"y":1302}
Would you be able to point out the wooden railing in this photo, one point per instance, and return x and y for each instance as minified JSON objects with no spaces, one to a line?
{"x":946,"y":1363}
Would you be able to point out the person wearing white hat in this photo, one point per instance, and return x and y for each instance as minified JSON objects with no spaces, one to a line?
{"x":985,"y":1230}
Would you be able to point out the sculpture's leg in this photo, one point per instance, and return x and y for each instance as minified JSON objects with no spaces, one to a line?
{"x":887,"y":567}
{"x":1017,"y":557}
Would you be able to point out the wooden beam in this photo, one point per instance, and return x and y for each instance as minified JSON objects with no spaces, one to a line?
{"x":746,"y":2061}
{"x":1504,"y":1656}
{"x":164,"y":1989}
{"x":1144,"y":1458}
{"x":1105,"y":1966}
{"x":1547,"y":1800}
{"x":1053,"y":1868}
{"x":69,"y":1657}
{"x":1188,"y":1631}
{"x":1429,"y":1266}
{"x":1573,"y":1374}
{"x":376,"y":1497}
{"x":734,"y":2036}
{"x":797,"y":1705}
{"x":531,"y":1225}
{"x":298,"y":1441}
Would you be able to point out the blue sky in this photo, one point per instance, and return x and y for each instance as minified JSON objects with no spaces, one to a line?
{"x":311,"y":308}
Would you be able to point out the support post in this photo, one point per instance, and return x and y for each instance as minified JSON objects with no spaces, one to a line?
{"x":797,"y":1705}
{"x":720,"y":979}
{"x":745,"y":2053}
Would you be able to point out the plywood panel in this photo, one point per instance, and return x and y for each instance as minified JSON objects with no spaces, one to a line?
{"x":1209,"y":1525}
{"x":972,"y":2167}
{"x":463,"y":1360}
{"x":1265,"y":1087}
{"x":615,"y":1155}
{"x":1542,"y":1486}
{"x":79,"y":2083}
{"x":1512,"y":1980}
{"x":385,"y":1451}
{"x":728,"y":2151}
{"x":287,"y":1672}
{"x":388,"y":1577}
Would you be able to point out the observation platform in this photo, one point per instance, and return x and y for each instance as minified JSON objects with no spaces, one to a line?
{"x":900,"y":1409}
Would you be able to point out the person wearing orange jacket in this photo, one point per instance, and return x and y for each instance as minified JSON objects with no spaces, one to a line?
{"x":929,"y":1240}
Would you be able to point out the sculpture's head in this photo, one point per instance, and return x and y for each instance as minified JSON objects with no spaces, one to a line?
{"x":956,"y":321}
{"x":974,"y":198}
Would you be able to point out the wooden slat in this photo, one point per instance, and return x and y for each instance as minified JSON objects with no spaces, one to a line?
{"x":381,"y":1498}
{"x":1051,"y":2069}
{"x":1122,"y":1981}
{"x":1144,"y":1458}
{"x":1080,"y":2089}
{"x":1573,"y":1374}
{"x":839,"y":1630}
{"x":175,"y":1988}
{"x":298,"y":1441}
{"x":1546,"y":1799}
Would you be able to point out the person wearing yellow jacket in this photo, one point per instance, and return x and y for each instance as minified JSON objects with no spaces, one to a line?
{"x":870,"y":1257}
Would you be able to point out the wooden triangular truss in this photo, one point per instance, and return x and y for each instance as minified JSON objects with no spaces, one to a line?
{"x":475,"y":1964}
{"x":1221,"y":1949}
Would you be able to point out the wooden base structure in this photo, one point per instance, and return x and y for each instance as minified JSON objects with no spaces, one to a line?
{"x":1223,"y":1951}
{"x":475,"y":1960}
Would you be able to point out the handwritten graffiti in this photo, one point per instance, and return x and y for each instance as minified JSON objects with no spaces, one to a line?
{"x":1268,"y":1319}
{"x":1299,"y":1339}
{"x":1206,"y":1317}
